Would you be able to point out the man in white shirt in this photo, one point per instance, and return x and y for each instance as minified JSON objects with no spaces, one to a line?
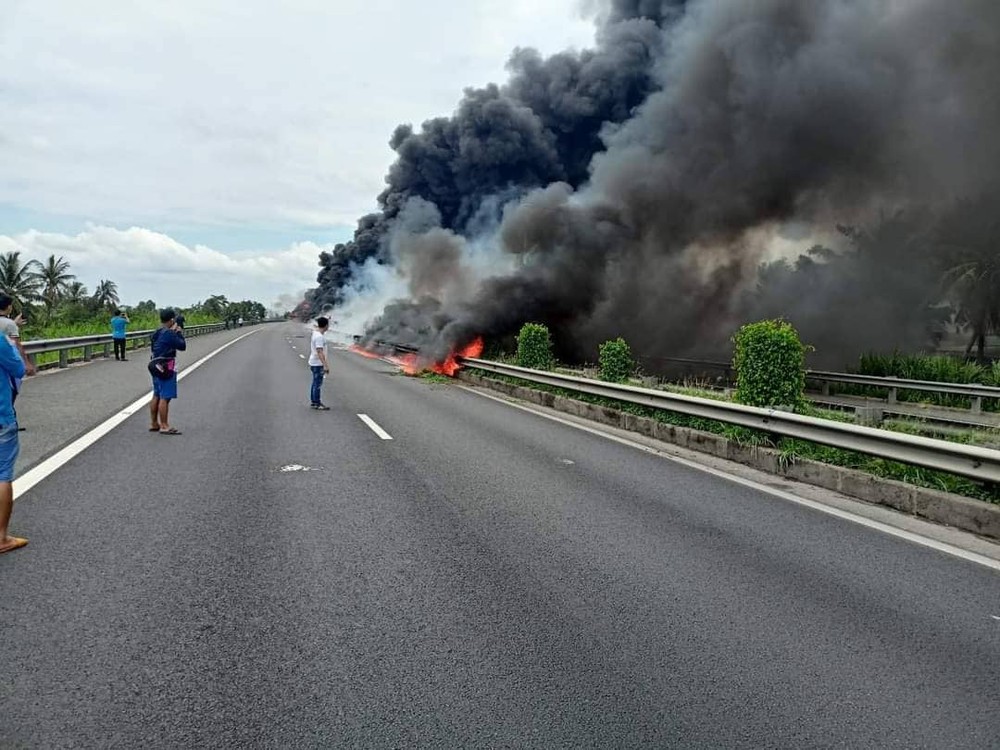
{"x":318,"y":362}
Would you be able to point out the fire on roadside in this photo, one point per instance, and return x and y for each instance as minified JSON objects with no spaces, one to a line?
{"x":414,"y":364}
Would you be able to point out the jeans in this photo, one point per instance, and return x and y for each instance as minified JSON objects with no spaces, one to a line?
{"x":317,"y":383}
{"x":9,"y":448}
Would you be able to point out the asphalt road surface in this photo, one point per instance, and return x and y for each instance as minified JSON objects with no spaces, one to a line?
{"x":281,"y":577}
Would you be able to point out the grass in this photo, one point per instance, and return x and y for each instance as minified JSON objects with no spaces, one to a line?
{"x":789,"y":449}
{"x":60,"y":330}
{"x":95,"y":327}
{"x":937,"y":368}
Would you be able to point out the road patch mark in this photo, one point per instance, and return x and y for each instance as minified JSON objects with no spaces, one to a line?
{"x":373,"y":425}
{"x":294,"y":467}
{"x":948,"y":549}
{"x":995,"y":617}
{"x":302,"y":356}
{"x":55,"y":462}
{"x":566,"y":461}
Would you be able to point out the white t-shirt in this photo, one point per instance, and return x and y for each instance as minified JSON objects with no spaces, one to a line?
{"x":9,"y":327}
{"x":318,"y":342}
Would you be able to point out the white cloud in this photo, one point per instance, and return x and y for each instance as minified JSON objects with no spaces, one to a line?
{"x":150,"y":265}
{"x":245,"y":112}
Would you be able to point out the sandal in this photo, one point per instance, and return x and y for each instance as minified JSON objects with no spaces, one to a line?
{"x":155,"y":428}
{"x":14,"y":543}
{"x":171,"y":431}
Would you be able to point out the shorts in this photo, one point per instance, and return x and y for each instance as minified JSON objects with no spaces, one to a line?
{"x":165,"y":389}
{"x":9,"y":448}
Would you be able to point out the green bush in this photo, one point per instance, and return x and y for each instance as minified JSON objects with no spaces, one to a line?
{"x":616,"y":361}
{"x":534,"y":347}
{"x":769,"y":360}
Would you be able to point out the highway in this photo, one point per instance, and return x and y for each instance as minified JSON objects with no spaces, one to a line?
{"x":281,"y":577}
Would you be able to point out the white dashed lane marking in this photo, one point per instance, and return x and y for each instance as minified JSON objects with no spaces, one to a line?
{"x":374,"y":427}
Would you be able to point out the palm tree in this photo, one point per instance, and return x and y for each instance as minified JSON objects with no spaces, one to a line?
{"x":215,"y":305}
{"x":106,"y":293}
{"x":975,"y":284}
{"x":972,"y":276}
{"x":55,"y":277}
{"x":76,"y":292}
{"x":19,"y":280}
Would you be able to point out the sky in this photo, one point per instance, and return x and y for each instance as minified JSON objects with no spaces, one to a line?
{"x":185,"y":148}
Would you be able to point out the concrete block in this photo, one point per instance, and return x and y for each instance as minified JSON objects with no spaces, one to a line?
{"x":960,"y":512}
{"x":812,"y":472}
{"x":645,"y":426}
{"x":664,"y":431}
{"x":876,"y":490}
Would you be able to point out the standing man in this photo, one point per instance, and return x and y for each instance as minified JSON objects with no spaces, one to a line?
{"x":11,"y":369}
{"x":118,"y":325}
{"x":166,"y":341}
{"x":318,"y":363}
{"x":12,"y":330}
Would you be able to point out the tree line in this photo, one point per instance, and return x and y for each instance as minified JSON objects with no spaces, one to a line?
{"x":48,"y":294}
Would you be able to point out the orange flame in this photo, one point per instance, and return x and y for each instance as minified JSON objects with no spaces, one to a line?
{"x":411,"y":364}
{"x":363,"y":352}
{"x":450,"y":366}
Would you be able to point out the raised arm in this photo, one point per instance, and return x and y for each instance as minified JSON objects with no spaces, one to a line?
{"x":179,"y":343}
{"x":11,"y":362}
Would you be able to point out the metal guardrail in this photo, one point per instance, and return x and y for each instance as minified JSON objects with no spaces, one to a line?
{"x":974,"y":391}
{"x":102,"y":341}
{"x":974,"y":462}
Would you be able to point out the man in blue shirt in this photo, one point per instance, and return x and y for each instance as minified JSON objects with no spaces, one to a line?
{"x":118,"y":325}
{"x":166,"y":341}
{"x":11,"y":369}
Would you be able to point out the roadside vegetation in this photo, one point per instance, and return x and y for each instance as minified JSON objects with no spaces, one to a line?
{"x":779,"y":346}
{"x":55,"y":304}
{"x":937,"y":368}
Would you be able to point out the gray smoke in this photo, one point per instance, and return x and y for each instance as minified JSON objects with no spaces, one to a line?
{"x":757,"y":116}
{"x":542,"y":126}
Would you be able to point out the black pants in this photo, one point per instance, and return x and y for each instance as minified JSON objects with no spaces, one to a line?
{"x":119,"y":348}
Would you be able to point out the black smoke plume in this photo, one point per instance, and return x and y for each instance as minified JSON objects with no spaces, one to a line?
{"x":643,"y":185}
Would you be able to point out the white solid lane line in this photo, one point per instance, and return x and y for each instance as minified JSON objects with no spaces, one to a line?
{"x":57,"y":461}
{"x":374,"y":427}
{"x":948,"y":549}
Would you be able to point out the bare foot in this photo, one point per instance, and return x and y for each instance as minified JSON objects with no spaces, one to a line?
{"x":11,"y":543}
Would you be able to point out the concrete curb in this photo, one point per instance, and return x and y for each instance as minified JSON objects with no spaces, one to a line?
{"x":941,"y":507}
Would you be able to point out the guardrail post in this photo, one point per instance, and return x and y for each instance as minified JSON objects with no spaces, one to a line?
{"x":34,"y":360}
{"x":64,"y":357}
{"x":977,"y":405}
{"x":826,"y":387}
{"x":107,"y":351}
{"x":88,"y":353}
{"x":892,"y":396}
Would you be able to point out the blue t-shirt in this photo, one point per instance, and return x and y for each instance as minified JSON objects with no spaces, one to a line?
{"x":118,"y":324}
{"x":166,"y":343}
{"x":11,"y":371}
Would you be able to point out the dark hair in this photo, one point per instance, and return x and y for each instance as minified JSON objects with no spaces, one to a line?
{"x":166,"y":314}
{"x":118,"y":312}
{"x":6,"y":301}
{"x":322,"y":322}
